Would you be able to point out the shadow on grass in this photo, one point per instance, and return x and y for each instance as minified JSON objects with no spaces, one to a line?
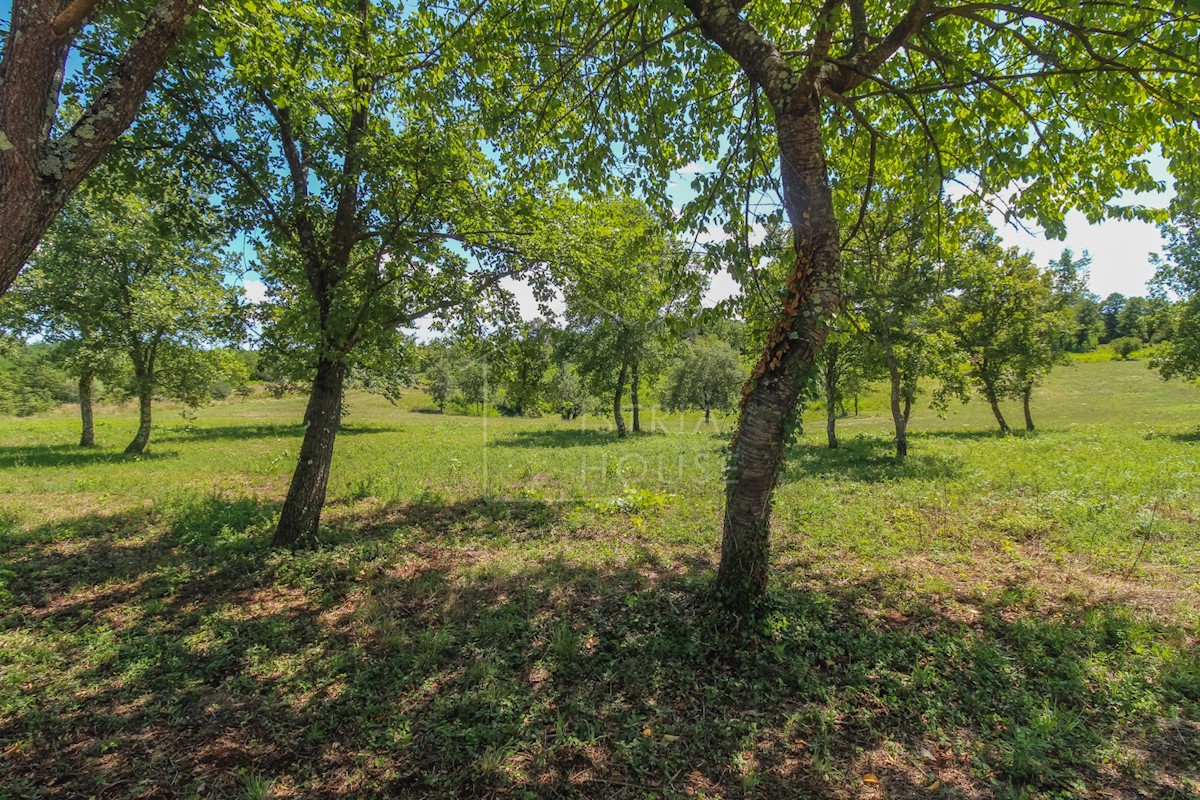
{"x":70,"y":455}
{"x":189,"y":658}
{"x":567,"y":437}
{"x":200,"y":433}
{"x":870,"y":459}
{"x":1187,"y":437}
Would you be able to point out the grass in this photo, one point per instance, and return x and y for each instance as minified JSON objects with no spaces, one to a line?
{"x":518,"y":608}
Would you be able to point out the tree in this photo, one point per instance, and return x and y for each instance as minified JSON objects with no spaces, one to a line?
{"x":895,"y":268}
{"x":707,"y":376}
{"x":1110,"y":309}
{"x":347,"y":153}
{"x":1016,"y":94}
{"x":1069,"y":277}
{"x":528,"y":353}
{"x":120,"y":274}
{"x":1177,"y":273}
{"x":624,"y":280}
{"x":1004,"y":322}
{"x":47,"y":150}
{"x":440,"y":380}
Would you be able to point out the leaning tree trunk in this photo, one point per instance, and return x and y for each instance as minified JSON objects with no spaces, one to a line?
{"x":989,"y":393}
{"x":899,"y":409}
{"x":145,"y":397}
{"x":1026,"y":392}
{"x":301,"y":513}
{"x":618,"y":418}
{"x":831,"y":356}
{"x":769,"y":399}
{"x":635,"y":381}
{"x":87,"y":436}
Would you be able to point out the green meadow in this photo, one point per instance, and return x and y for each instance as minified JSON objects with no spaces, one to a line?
{"x":518,"y":608}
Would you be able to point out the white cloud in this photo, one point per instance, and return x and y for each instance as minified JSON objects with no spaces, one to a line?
{"x":721,"y":286}
{"x":1120,"y":250}
{"x":254,"y":291}
{"x":693,"y":168}
{"x":526,"y":301}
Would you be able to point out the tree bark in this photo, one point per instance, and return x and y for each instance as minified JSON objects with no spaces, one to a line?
{"x":707,"y":412}
{"x":789,"y":358}
{"x":301,"y":513}
{"x":899,"y":412}
{"x":635,"y":381}
{"x":145,"y":397}
{"x":618,"y":419}
{"x":39,"y":166}
{"x":831,"y":385}
{"x":87,"y":436}
{"x":1026,"y":393}
{"x":989,"y":393}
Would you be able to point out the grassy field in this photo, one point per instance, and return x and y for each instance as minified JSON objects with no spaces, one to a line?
{"x":517,"y":608}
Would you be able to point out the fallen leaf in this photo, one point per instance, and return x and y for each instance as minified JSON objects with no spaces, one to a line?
{"x":669,"y":739}
{"x":800,"y":743}
{"x":933,"y":787}
{"x":695,"y":775}
{"x":870,"y":778}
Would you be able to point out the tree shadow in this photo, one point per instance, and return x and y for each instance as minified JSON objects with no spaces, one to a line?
{"x":1187,"y":437}
{"x":869,"y":459}
{"x":557,"y":437}
{"x":194,"y":433}
{"x":70,"y":455}
{"x":178,"y":661}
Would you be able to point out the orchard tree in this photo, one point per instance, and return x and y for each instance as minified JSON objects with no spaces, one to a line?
{"x":707,"y":375}
{"x":527,"y":353}
{"x":121,"y":274}
{"x":366,"y":188}
{"x":847,"y":363}
{"x":440,"y":380}
{"x":1039,"y":107}
{"x":48,"y":147}
{"x":624,"y":280}
{"x":1003,"y":321}
{"x":895,"y":270}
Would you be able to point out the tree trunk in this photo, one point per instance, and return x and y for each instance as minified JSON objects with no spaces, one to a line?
{"x":635,"y":381}
{"x":301,"y":512}
{"x":617,"y":416}
{"x":37,"y":172}
{"x":989,"y":392}
{"x":831,"y":355}
{"x":769,"y":399}
{"x":899,"y":412}
{"x":707,"y":412}
{"x":1026,"y":392}
{"x":145,"y":396}
{"x":87,"y":436}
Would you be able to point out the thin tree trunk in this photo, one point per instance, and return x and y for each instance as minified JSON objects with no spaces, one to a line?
{"x":1026,"y":392}
{"x":707,"y":411}
{"x":989,"y":392}
{"x":87,"y":436}
{"x":617,"y":416}
{"x":899,"y":412}
{"x":635,"y":385}
{"x":301,"y":513}
{"x":831,"y":380}
{"x":145,"y":397}
{"x":770,"y":396}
